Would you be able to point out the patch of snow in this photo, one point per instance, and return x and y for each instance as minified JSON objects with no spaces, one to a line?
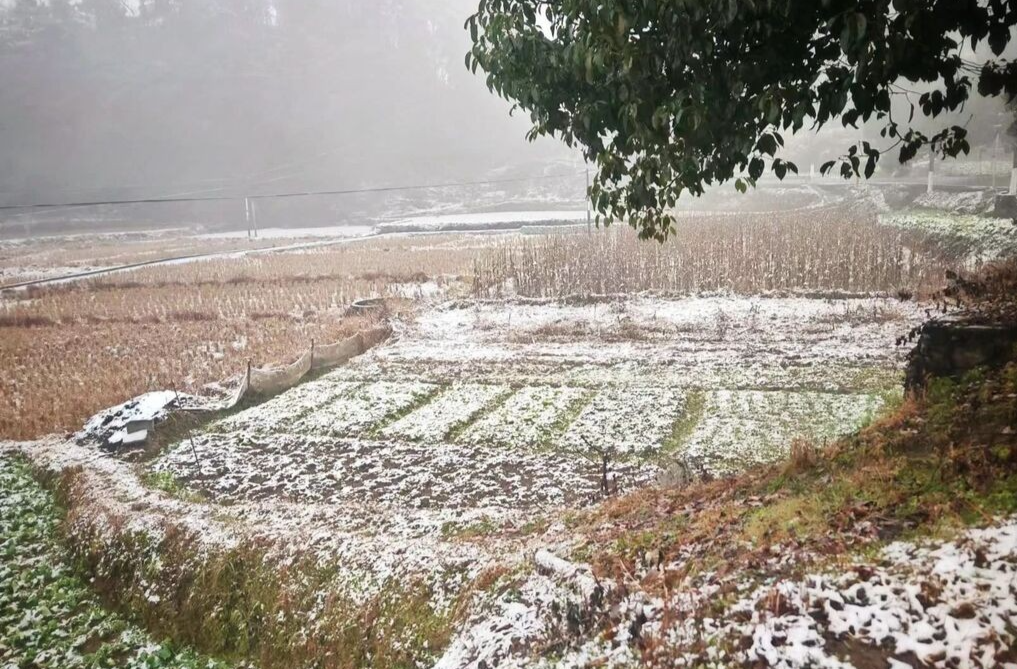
{"x":526,"y":418}
{"x":740,"y":429}
{"x":976,"y":239}
{"x":626,"y":421}
{"x":978,"y":202}
{"x":296,"y":233}
{"x":362,"y":408}
{"x":452,"y":408}
{"x":509,"y":220}
{"x":110,"y":426}
{"x":952,"y":604}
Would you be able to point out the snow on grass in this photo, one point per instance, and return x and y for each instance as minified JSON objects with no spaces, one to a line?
{"x":625,"y":421}
{"x":385,"y":427}
{"x":370,"y":545}
{"x":690,"y":373}
{"x":951,"y":604}
{"x":975,"y":237}
{"x":528,"y":418}
{"x":740,"y":429}
{"x":970,"y":168}
{"x":375,"y":465}
{"x":295,"y":233}
{"x":701,"y":331}
{"x":638,"y":367}
{"x":362,"y":408}
{"x":699,"y":317}
{"x":48,"y":617}
{"x":451,"y":409}
{"x":286,"y":407}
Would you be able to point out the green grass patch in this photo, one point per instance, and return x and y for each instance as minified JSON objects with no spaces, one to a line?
{"x":241,"y":604}
{"x":481,"y":528}
{"x":695,"y":405}
{"x":420,"y":402}
{"x":171,"y":485}
{"x":456,"y":433}
{"x":549,"y":442}
{"x":535,"y":526}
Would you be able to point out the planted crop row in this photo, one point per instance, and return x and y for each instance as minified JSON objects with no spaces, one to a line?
{"x":48,"y":617}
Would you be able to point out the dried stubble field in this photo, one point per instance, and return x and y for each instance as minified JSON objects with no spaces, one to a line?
{"x":71,"y":350}
{"x":823,"y":250}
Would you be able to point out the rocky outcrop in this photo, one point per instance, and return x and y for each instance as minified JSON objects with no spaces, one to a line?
{"x":952,"y":347}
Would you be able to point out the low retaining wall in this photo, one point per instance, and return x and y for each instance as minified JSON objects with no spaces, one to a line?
{"x":950,"y":348}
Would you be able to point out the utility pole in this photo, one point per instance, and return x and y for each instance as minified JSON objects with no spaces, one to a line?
{"x":1013,"y":173}
{"x":992,"y":161}
{"x":252,"y":218}
{"x":932,"y":168}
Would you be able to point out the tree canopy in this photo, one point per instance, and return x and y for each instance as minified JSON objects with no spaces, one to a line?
{"x":666,"y":97}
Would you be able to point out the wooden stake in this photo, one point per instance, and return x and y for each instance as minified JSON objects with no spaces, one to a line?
{"x":190,"y":436}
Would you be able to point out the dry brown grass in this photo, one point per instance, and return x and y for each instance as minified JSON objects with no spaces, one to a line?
{"x":56,"y":377}
{"x":71,"y":350}
{"x":828,"y":250}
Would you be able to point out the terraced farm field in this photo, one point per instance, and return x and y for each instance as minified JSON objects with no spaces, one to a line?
{"x":506,"y":407}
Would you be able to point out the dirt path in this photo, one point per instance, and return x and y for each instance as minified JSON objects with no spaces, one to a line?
{"x":180,"y":260}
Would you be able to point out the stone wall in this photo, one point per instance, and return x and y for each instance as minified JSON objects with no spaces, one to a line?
{"x":952,"y":347}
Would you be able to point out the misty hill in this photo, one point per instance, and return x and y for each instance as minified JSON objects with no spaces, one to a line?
{"x":111,"y":99}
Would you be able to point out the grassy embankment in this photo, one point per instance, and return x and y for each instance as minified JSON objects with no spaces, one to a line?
{"x":49,"y":618}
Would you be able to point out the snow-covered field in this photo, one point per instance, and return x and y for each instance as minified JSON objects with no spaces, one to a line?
{"x":741,"y":428}
{"x":454,"y":407}
{"x":295,"y":233}
{"x":630,"y":421}
{"x":505,"y":406}
{"x":977,"y":238}
{"x":508,"y":220}
{"x":431,"y":453}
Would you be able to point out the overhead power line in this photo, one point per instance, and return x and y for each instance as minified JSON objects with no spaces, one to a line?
{"x":270,"y":196}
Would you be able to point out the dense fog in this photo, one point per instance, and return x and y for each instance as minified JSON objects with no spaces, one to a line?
{"x":131,"y":98}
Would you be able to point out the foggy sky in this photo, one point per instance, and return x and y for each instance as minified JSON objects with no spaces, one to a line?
{"x":155,"y":98}
{"x":103,"y":98}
